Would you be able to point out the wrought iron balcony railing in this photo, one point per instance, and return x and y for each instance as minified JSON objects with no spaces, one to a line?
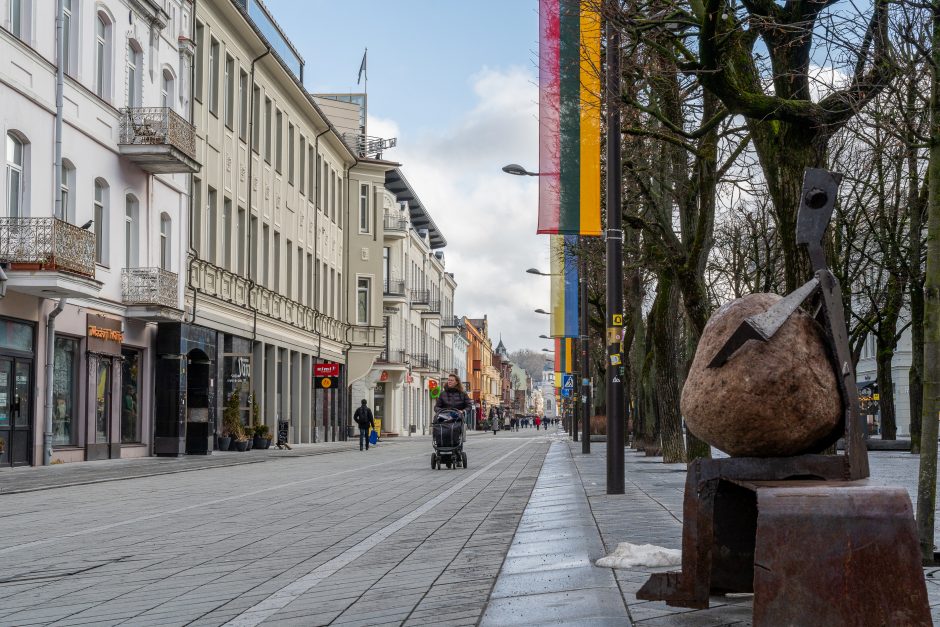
{"x":150,"y":286}
{"x":365,"y":336}
{"x":393,"y":356}
{"x":452,"y":322}
{"x":419,"y":361}
{"x":395,"y":222}
{"x":434,"y":306}
{"x":368,"y":146}
{"x":157,"y":126}
{"x":420,"y":297}
{"x":394,"y":287}
{"x":48,"y":244}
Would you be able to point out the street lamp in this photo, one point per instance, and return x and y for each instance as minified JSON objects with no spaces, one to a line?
{"x":517,"y":170}
{"x":544,"y":337}
{"x":538,"y":272}
{"x":542,"y":311}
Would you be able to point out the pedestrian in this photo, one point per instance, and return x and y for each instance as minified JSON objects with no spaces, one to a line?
{"x":538,"y":423}
{"x":452,"y":396}
{"x":366,"y":421}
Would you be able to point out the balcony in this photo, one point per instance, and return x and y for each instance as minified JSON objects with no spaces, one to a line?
{"x":420,"y":361}
{"x":394,"y":292}
{"x":151,"y":294}
{"x":48,"y":257}
{"x":158,"y":140}
{"x":365,"y":336}
{"x":396,"y":225}
{"x":420,"y":300}
{"x":367,"y":146}
{"x":433,"y":310}
{"x":450,"y":325}
{"x":393,"y":359}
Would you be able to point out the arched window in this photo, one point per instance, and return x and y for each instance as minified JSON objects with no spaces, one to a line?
{"x":16,"y":176}
{"x":103,"y":56}
{"x":166,"y":89}
{"x":67,"y":192}
{"x":130,"y":231}
{"x":101,"y":221}
{"x":165,"y":242}
{"x":134,"y":72}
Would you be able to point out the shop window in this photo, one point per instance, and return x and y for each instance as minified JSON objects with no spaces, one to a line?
{"x":103,"y":401}
{"x":64,"y":391}
{"x":16,"y":336}
{"x":130,"y":397}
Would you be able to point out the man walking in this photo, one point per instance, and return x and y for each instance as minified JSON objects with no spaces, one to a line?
{"x":365,"y":420}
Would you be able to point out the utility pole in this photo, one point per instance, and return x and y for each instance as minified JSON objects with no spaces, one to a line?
{"x":585,"y":363}
{"x":615,"y":418}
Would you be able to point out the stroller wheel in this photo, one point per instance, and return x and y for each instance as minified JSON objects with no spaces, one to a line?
{"x":450,"y":462}
{"x":463,"y":460}
{"x":433,"y":461}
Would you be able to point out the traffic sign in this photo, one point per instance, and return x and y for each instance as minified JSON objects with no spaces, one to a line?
{"x":567,"y":385}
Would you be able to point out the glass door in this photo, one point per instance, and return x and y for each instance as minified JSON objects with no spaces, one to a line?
{"x":103,"y":402}
{"x":15,"y":411}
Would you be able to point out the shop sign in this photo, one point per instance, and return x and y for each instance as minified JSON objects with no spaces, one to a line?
{"x":410,"y":379}
{"x":326,"y":370}
{"x":326,"y":383}
{"x":104,"y":335}
{"x":384,"y":376}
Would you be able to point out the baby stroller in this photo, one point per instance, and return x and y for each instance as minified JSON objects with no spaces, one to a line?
{"x":447,"y":438}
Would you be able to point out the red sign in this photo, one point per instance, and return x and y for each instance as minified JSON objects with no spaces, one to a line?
{"x":326,"y":370}
{"x":383,"y":376}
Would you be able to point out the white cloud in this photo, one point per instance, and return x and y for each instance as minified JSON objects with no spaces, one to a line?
{"x":488,"y":217}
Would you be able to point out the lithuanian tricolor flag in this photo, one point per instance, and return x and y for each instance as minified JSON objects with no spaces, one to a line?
{"x":569,"y":117}
{"x":564,"y":358}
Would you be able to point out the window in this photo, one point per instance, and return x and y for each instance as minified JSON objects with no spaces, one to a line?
{"x":256,"y":119}
{"x":133,"y":74}
{"x":227,"y":228}
{"x":101,"y":221}
{"x":339,"y":202}
{"x":196,"y":226}
{"x":310,"y":294}
{"x":253,"y":226}
{"x":300,"y":274}
{"x":212,"y":231}
{"x":276,"y":283}
{"x":243,"y":111}
{"x":267,"y":130}
{"x":213,"y":76}
{"x":130,"y":396}
{"x":240,"y":238}
{"x":103,"y":56}
{"x":279,"y":141}
{"x":166,"y":254}
{"x":289,"y":288}
{"x":131,"y":207}
{"x":68,"y":39}
{"x":333,"y":195}
{"x":301,"y":170}
{"x":19,"y":18}
{"x":166,"y":89}
{"x":266,"y":255}
{"x":363,"y":208}
{"x":200,"y":46}
{"x":16,"y":177}
{"x":290,"y":154}
{"x":320,"y":166}
{"x":229,"y":92}
{"x":65,"y":391}
{"x":310,"y":174}
{"x":67,"y":192}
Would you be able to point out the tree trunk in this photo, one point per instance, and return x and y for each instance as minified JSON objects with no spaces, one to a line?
{"x":785,"y":151}
{"x":915,"y":249}
{"x":886,"y":343}
{"x":927,"y":476}
{"x":666,"y":359}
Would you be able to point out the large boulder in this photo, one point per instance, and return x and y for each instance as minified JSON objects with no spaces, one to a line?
{"x":769,"y":399}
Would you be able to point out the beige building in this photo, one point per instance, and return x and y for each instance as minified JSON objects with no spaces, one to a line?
{"x":281,"y":278}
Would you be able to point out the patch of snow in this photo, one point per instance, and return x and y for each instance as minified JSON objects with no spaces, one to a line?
{"x":634,"y":555}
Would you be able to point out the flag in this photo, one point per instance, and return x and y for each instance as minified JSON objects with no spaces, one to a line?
{"x":569,"y":117}
{"x":362,"y":67}
{"x":564,"y":286}
{"x":564,"y":358}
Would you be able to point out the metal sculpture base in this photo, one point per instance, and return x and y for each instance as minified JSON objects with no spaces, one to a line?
{"x":803,"y":538}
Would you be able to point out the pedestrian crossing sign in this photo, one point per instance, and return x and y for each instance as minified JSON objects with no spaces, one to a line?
{"x":567,"y":385}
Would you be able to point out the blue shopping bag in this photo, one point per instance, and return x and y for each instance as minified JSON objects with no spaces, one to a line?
{"x":373,"y":437}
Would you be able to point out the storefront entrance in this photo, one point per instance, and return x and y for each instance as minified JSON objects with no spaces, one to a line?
{"x":16,"y":384}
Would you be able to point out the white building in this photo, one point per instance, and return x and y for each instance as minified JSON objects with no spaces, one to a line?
{"x":126,"y":153}
{"x":866,"y":377}
{"x":419,"y":315}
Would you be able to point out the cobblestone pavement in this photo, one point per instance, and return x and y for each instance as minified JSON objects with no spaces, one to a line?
{"x":650,"y":511}
{"x":348,"y":538}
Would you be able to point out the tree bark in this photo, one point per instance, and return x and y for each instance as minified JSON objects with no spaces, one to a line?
{"x":886,"y":340}
{"x":927,"y":476}
{"x":666,"y":360}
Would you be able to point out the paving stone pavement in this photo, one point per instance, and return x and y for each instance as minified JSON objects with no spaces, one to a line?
{"x":348,"y":538}
{"x":650,"y":511}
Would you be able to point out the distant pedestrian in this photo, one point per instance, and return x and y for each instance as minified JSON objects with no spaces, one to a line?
{"x":538,"y":423}
{"x":365,"y":420}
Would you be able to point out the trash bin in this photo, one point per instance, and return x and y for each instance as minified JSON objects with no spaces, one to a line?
{"x":350,"y":431}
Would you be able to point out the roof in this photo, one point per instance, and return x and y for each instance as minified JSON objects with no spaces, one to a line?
{"x":396,"y":183}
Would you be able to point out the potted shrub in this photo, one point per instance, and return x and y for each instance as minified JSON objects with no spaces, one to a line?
{"x":262,"y":439}
{"x":241,"y":443}
{"x":231,"y":423}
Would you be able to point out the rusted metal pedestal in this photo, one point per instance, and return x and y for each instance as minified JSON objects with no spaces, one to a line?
{"x":806,"y":542}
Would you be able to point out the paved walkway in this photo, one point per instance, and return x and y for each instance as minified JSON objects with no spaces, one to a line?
{"x":348,"y":538}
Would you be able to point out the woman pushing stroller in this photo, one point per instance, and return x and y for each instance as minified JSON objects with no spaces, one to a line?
{"x":452,"y":396}
{"x":447,"y":430}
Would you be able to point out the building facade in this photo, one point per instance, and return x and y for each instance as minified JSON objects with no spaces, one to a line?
{"x":92,"y":238}
{"x":418,"y":312}
{"x":484,"y":377}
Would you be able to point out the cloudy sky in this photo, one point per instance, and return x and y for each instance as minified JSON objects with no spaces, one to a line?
{"x":455,"y":82}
